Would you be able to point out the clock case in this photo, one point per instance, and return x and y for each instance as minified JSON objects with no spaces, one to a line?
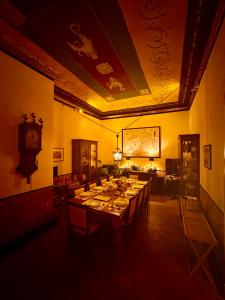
{"x":29,"y":145}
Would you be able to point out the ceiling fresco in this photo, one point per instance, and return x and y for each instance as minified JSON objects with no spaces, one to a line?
{"x":115,"y":58}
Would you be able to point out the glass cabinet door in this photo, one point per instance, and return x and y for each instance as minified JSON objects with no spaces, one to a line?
{"x":84,"y":159}
{"x":189,"y":160}
{"x":93,"y":155}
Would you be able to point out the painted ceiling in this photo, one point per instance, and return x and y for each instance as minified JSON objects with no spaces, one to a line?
{"x":115,"y":58}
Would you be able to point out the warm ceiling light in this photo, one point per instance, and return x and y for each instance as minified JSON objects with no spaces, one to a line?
{"x":80,"y":111}
{"x":118,"y":153}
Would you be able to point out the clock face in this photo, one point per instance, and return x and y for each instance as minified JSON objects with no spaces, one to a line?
{"x":32,"y":139}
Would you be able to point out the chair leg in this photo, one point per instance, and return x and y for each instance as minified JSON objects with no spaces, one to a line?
{"x":147,"y":206}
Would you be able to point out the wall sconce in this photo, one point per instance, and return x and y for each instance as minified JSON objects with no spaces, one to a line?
{"x":118,"y":153}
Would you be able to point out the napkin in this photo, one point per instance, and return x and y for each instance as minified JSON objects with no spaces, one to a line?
{"x":131,"y":192}
{"x":86,"y":194}
{"x":141,"y":182}
{"x":137,"y":186}
{"x":98,"y":188}
{"x":121,"y":202}
{"x":92,"y":203}
{"x":102,"y":198}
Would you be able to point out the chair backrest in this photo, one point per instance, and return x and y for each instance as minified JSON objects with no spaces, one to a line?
{"x":132,"y":208}
{"x":104,"y":180}
{"x":133,"y":176}
{"x":149,"y":188}
{"x":146,"y":190}
{"x":78,"y":218}
{"x":140,"y":198}
{"x":111,"y":177}
{"x":92,"y":185}
{"x":78,"y":191}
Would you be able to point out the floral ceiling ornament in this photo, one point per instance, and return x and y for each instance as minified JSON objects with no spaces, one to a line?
{"x":104,"y":68}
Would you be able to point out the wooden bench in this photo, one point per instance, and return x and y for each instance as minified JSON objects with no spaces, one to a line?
{"x":197,"y":230}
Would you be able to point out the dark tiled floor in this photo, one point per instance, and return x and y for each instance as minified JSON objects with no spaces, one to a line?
{"x":150,"y":264}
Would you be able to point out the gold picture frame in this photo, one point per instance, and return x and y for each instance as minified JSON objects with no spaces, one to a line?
{"x":141,"y":142}
{"x":207,"y":156}
{"x":58,"y":154}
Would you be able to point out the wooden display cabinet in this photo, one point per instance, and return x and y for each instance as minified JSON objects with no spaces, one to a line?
{"x":189,"y":155}
{"x":84,"y":159}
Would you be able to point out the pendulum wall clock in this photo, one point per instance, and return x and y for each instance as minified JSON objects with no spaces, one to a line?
{"x":29,"y":145}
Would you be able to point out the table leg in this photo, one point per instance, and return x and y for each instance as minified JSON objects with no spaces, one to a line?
{"x":200,"y":262}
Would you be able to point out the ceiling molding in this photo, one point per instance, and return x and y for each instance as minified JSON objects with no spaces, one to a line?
{"x":203,"y":22}
{"x":74,"y":102}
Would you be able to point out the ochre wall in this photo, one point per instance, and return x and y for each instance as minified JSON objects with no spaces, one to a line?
{"x":207,"y":118}
{"x":23,"y":91}
{"x":71,"y":125}
{"x":171,"y":125}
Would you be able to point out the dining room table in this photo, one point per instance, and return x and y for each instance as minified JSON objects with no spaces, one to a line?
{"x":110,"y":199}
{"x":110,"y":202}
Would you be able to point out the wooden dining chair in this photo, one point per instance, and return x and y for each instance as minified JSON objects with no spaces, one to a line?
{"x":92,"y":185}
{"x":130,"y":215}
{"x":139,"y":210}
{"x":145,"y":196}
{"x":146,"y":204}
{"x":80,"y":220}
{"x":111,"y":177}
{"x":133,"y":176}
{"x":104,"y":180}
{"x":132,"y":208}
{"x":77,"y":192}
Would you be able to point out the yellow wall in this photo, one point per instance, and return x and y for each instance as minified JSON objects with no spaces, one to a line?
{"x":207,"y":118}
{"x":171,"y":125}
{"x":23,"y":91}
{"x":71,"y":125}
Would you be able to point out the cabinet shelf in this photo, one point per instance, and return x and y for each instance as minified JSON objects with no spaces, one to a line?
{"x":189,"y":164}
{"x":84,"y":159}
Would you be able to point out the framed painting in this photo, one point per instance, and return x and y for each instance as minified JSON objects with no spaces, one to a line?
{"x":58,"y":154}
{"x":141,"y":142}
{"x":207,"y":156}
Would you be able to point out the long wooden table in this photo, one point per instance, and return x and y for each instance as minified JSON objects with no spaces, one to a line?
{"x":110,"y":209}
{"x":115,"y":205}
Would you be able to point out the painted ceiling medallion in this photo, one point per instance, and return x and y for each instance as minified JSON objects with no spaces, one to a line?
{"x":104,"y":68}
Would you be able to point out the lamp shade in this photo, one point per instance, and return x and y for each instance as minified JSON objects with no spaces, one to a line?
{"x":118,"y":153}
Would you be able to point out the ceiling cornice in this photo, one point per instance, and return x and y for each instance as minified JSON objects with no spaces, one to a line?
{"x":74,"y":102}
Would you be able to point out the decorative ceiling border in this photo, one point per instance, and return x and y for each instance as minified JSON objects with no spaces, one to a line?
{"x":204,"y":20}
{"x":83,"y":45}
{"x":74,"y":102}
